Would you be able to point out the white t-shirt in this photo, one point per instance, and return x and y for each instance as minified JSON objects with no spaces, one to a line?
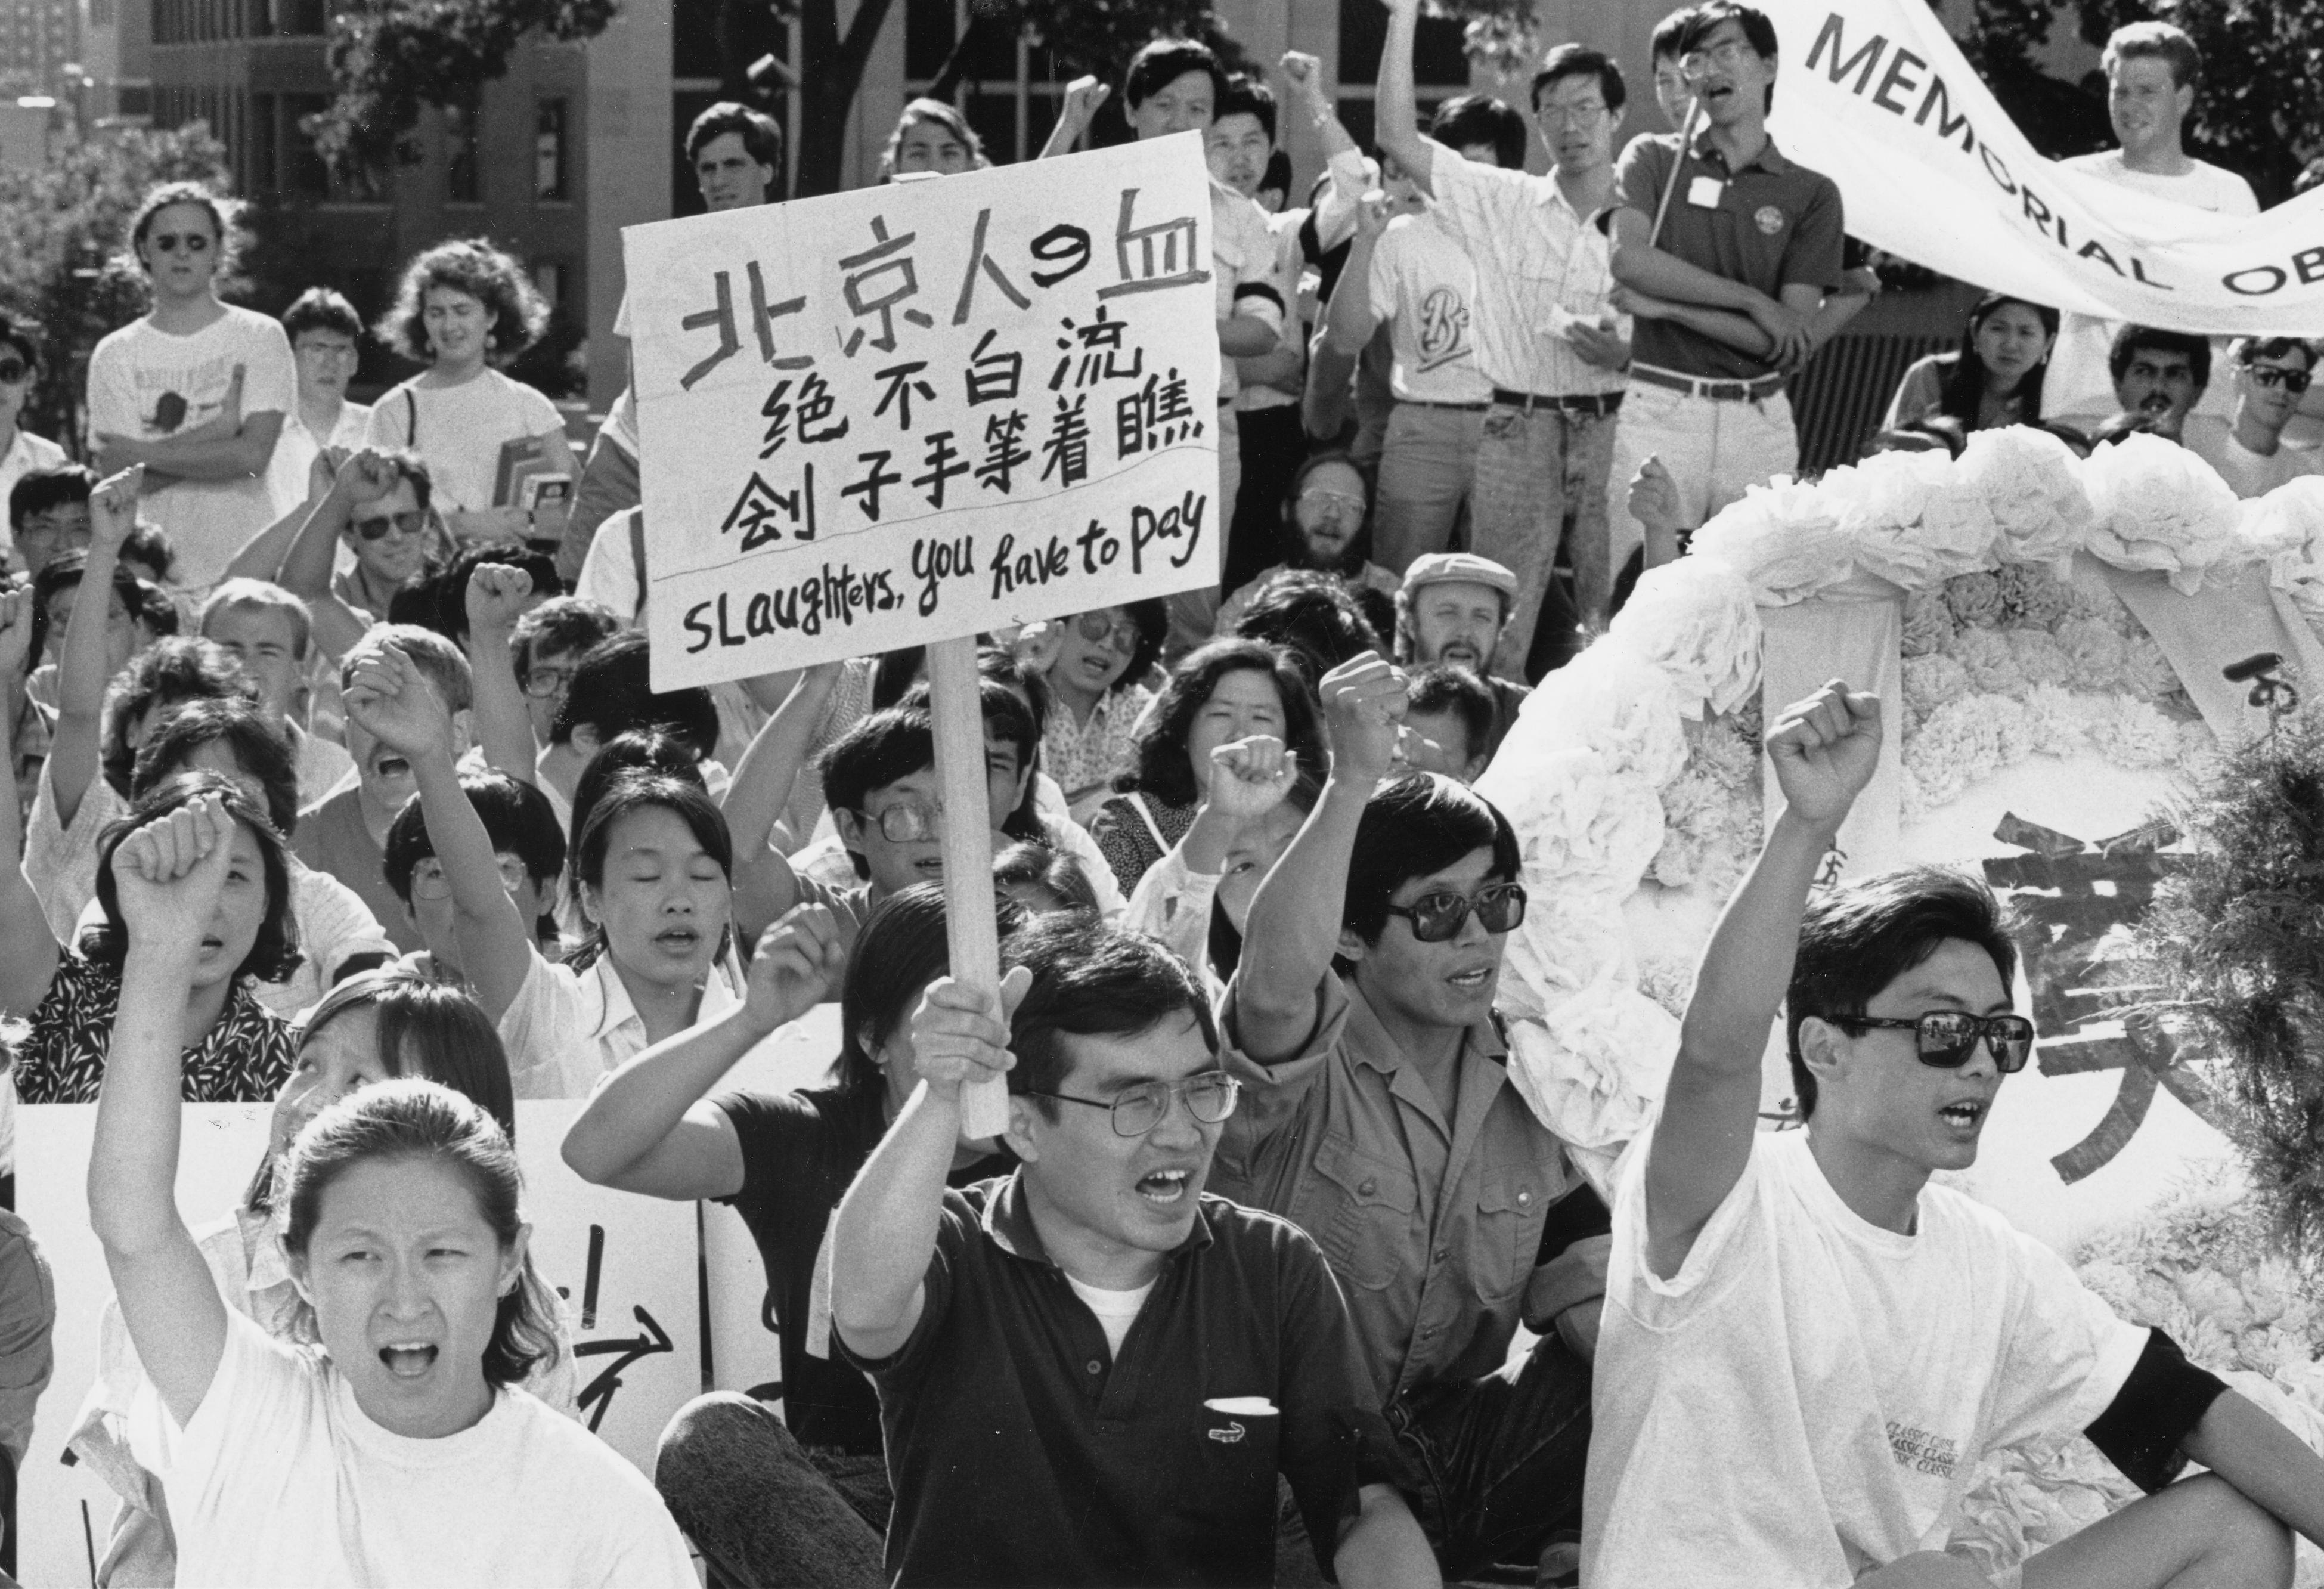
{"x":26,"y":454}
{"x":279,"y":1480}
{"x":462,"y":430}
{"x":1115,"y":1310}
{"x":567,"y":1029}
{"x":1809,"y":1397}
{"x":151,"y":385}
{"x":2078,"y":389}
{"x":1423,"y":283}
{"x":1243,"y":259}
{"x":294,"y":454}
{"x":2248,"y":473}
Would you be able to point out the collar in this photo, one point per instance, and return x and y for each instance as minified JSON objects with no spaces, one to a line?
{"x":1377,"y":1051}
{"x":1769,"y":159}
{"x":1007,"y":1222}
{"x":615,"y":1009}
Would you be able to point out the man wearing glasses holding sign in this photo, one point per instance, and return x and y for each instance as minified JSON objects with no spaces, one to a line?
{"x":1808,"y":1350}
{"x":1089,"y":1371}
{"x":1379,"y":1115}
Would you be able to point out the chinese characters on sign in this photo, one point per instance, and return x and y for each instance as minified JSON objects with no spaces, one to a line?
{"x":923,"y":411}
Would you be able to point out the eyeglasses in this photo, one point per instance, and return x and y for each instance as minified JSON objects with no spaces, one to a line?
{"x":907,"y":822}
{"x":2292,"y":381}
{"x":1726,"y":57}
{"x":325,"y":349}
{"x":430,"y":883}
{"x":541,"y":683}
{"x":1098,"y":629}
{"x":170,"y":241}
{"x":1338,"y":500}
{"x":1209,"y":1099}
{"x":1571,"y":116}
{"x":1947,"y":1038}
{"x":1435,"y":918}
{"x":410,"y":521}
{"x":12,"y":370}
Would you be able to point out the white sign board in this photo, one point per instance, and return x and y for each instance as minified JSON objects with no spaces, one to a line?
{"x":624,"y":1264}
{"x":921,"y":410}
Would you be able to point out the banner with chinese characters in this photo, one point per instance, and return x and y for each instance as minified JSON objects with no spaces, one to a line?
{"x":926,"y":410}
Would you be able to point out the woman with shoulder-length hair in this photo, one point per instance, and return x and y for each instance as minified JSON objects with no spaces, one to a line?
{"x":461,"y":306}
{"x":403,"y":1451}
{"x":1992,"y":380}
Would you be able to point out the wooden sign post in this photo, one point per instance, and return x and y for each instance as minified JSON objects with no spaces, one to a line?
{"x":972,"y":925}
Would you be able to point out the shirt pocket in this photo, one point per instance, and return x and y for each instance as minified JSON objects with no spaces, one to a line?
{"x":1510,"y":1214}
{"x":1360,"y":1207}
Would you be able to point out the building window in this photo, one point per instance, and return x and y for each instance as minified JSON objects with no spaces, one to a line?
{"x":462,"y":181}
{"x":265,"y":173}
{"x":1011,"y":89}
{"x":549,"y":181}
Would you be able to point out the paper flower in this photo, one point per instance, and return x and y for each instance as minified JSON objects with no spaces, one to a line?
{"x":1783,"y":538}
{"x":1569,"y":940}
{"x":1931,"y":681}
{"x":1583,"y":826}
{"x":2095,"y":652}
{"x":2132,"y":733}
{"x":1594,"y":1068}
{"x":2146,"y":672}
{"x":1975,"y":600}
{"x":1985,"y":657}
{"x":1928,"y":622}
{"x":2039,"y":658}
{"x":2056,"y":720}
{"x":1695,"y":620}
{"x":2286,"y":527}
{"x":1609,"y":700}
{"x":2033,"y":485}
{"x":2161,"y":508}
{"x":2034,"y":594}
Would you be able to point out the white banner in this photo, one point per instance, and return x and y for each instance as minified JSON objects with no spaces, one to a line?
{"x":1875,"y":95}
{"x":917,"y":412}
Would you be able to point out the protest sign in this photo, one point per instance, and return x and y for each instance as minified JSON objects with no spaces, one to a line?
{"x":918,"y":411}
{"x":625,"y":1266}
{"x":1875,"y":95}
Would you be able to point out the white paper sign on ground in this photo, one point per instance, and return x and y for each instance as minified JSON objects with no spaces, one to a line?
{"x":917,"y":412}
{"x":625,"y":1264}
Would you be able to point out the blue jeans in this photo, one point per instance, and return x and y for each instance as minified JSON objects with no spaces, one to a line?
{"x":1537,"y":468}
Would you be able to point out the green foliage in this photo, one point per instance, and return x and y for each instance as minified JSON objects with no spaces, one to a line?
{"x":2237,"y":943}
{"x":61,"y":264}
{"x":390,"y":56}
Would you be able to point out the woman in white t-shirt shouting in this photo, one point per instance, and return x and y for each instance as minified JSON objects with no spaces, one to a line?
{"x":195,"y":389}
{"x":395,"y":1451}
{"x":461,"y":305}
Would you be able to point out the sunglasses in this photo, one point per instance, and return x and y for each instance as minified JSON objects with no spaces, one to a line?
{"x":12,"y":370}
{"x":1947,"y":1038}
{"x":170,"y":241}
{"x":2292,"y":381}
{"x":1435,"y":918}
{"x":410,"y":521}
{"x":1098,"y":629}
{"x":1209,"y":1099}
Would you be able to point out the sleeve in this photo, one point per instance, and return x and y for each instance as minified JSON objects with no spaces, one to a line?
{"x":1334,"y":1439}
{"x":957,"y":1226}
{"x":1813,"y":256}
{"x":1272,"y":1093}
{"x":1638,"y":175}
{"x":1722,"y":1250}
{"x":1255,"y":292}
{"x":775,"y":1134}
{"x":2067,"y":1356}
{"x":111,"y":394}
{"x":541,"y":415}
{"x":1466,"y":196}
{"x":388,"y":428}
{"x":1333,"y":221}
{"x":528,"y":1029}
{"x":2159,"y":1405}
{"x":1381,"y":282}
{"x":28,"y":1317}
{"x":270,"y":379}
{"x":335,"y":925}
{"x":1120,"y":836}
{"x":606,"y":573}
{"x":1920,"y":390}
{"x":248,"y":1417}
{"x":1173,"y":904}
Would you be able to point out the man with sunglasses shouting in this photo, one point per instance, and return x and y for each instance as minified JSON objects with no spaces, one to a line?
{"x":1379,"y":1116}
{"x":1807,"y":1348}
{"x":2271,"y":374}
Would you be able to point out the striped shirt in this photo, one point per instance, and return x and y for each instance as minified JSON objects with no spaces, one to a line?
{"x":1533,"y":253}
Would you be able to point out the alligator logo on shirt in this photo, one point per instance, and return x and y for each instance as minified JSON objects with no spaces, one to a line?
{"x":1227,"y":1436}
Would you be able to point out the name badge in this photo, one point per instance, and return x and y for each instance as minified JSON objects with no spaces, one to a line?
{"x":1704,"y":192}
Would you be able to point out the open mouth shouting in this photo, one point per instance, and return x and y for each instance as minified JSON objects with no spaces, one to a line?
{"x":410,"y":1360}
{"x":679,"y":941}
{"x":1965,"y":1117}
{"x":1170,"y":1189}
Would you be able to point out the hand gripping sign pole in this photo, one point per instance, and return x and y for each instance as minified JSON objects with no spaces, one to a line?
{"x":971,"y":910}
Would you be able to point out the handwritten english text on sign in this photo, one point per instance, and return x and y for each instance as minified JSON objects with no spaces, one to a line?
{"x":1877,"y":96}
{"x":917,"y":411}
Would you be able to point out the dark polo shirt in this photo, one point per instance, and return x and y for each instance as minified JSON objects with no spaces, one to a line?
{"x":1776,"y":224}
{"x":1023,"y":1453}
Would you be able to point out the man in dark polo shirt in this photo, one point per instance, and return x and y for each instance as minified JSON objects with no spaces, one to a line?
{"x":1453,"y":609}
{"x":1380,"y":1116}
{"x":1729,"y":285}
{"x":1089,"y":1373}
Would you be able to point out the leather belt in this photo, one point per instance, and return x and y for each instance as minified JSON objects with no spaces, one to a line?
{"x":1584,"y":402}
{"x":1765,"y":386}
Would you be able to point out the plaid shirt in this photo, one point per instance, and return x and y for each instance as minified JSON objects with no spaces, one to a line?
{"x":244,"y":1058}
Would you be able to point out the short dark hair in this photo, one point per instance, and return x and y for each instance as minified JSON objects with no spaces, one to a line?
{"x":1278,"y":174}
{"x":44,"y":490}
{"x":319,"y":309}
{"x":612,"y":692}
{"x":63,"y":573}
{"x":2248,"y":350}
{"x":1421,"y":823}
{"x":1163,"y":62}
{"x":517,"y":816}
{"x":1466,"y":120}
{"x":875,"y":752}
{"x":1576,"y":61}
{"x":901,"y":948}
{"x":1313,"y":617}
{"x":434,"y":655}
{"x":1006,"y":719}
{"x":167,"y":673}
{"x":151,"y":545}
{"x":1092,"y":980}
{"x":440,"y":601}
{"x":274,"y":952}
{"x":2130,"y":341}
{"x":1857,"y":938}
{"x":761,"y":135}
{"x":238,"y":725}
{"x":1246,"y":96}
{"x":1670,"y":32}
{"x":474,"y":266}
{"x":1160,"y":767}
{"x":1757,"y":30}
{"x":1443,"y":687}
{"x":638,"y":791}
{"x":18,"y":334}
{"x":570,"y":623}
{"x":641,"y":750}
{"x":1031,"y":864}
{"x":2160,"y":41}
